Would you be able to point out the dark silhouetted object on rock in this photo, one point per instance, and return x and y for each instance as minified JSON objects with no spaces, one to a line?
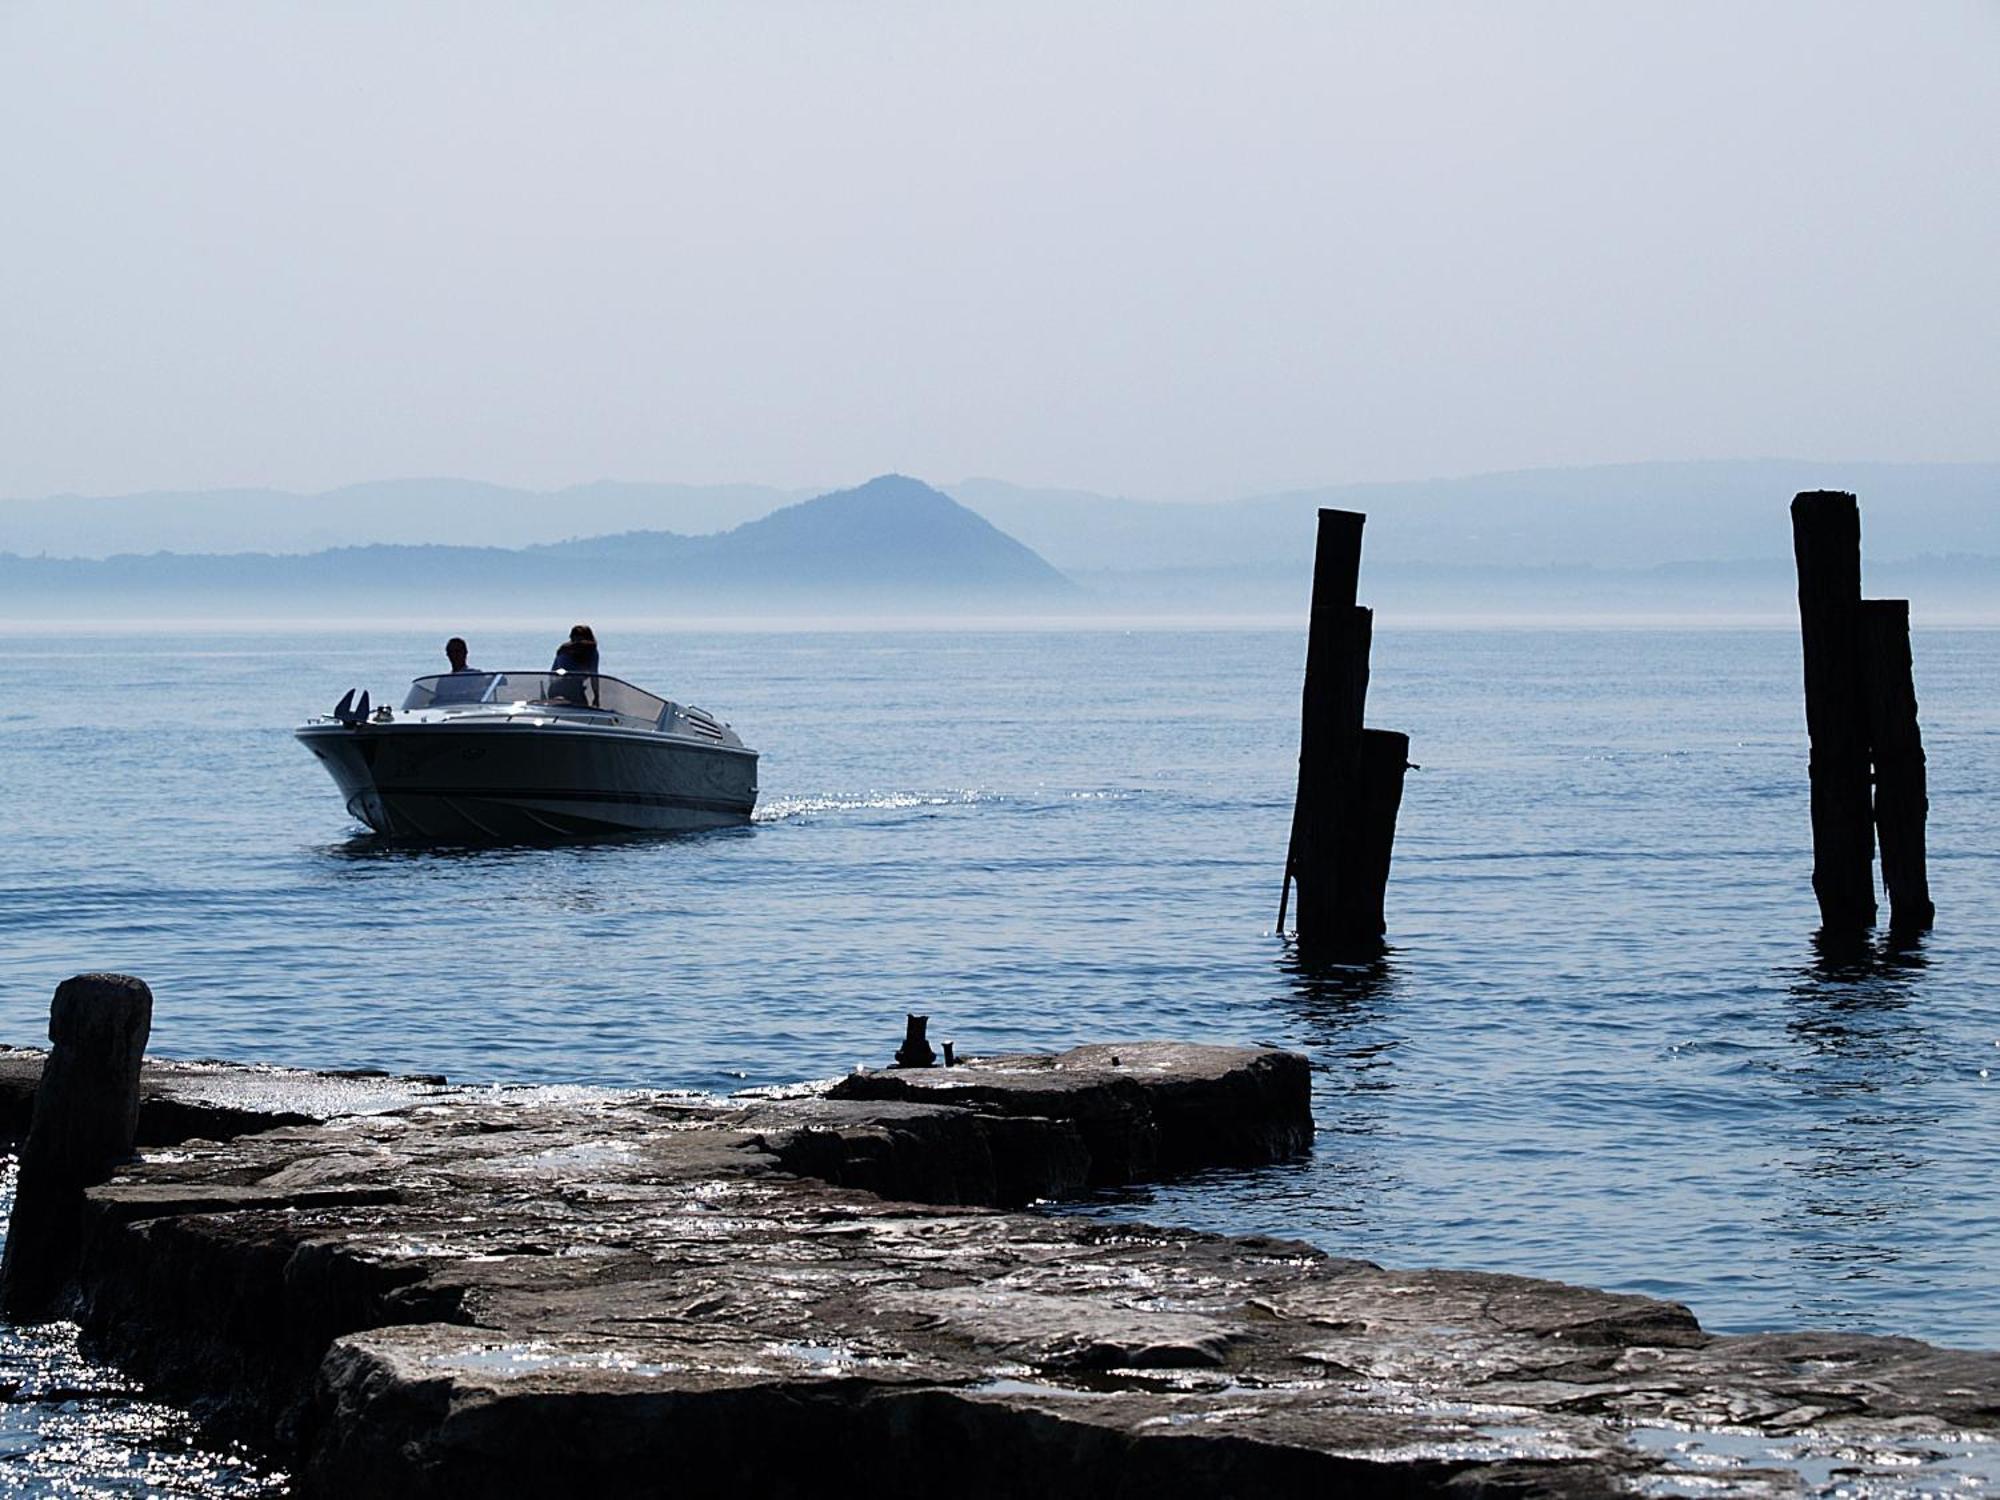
{"x":915,"y":1051}
{"x":86,"y":1111}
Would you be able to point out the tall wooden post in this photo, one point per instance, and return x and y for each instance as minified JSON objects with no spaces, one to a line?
{"x":1902,"y":800}
{"x":1826,"y":539}
{"x":1350,"y":780}
{"x":1334,"y":698}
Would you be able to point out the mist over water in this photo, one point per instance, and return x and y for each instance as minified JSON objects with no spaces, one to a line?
{"x":1603,"y":1047}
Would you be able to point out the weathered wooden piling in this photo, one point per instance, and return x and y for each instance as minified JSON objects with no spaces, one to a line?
{"x":1344,"y":819}
{"x":86,"y":1111}
{"x":1826,"y":540}
{"x":1861,"y":716}
{"x":1896,"y":745}
{"x":1381,"y":759}
{"x":1335,"y":699}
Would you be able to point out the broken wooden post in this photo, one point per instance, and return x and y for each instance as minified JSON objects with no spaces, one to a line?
{"x":1826,"y":540}
{"x":86,"y":1113}
{"x":1344,"y":820}
{"x":1896,"y":744}
{"x":1380,"y":762}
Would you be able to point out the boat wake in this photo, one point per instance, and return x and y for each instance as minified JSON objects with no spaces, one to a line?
{"x":790,"y":809}
{"x":786,"y":809}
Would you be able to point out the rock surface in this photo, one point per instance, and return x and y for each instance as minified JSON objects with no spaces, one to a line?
{"x":217,"y":1100}
{"x":1141,"y":1108}
{"x":503,"y":1292}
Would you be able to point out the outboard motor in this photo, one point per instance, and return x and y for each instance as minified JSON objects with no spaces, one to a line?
{"x":361,"y":708}
{"x":344,"y":709}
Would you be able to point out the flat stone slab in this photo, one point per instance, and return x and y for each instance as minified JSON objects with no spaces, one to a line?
{"x":506,"y":1292}
{"x":180,"y":1100}
{"x":1143,"y":1108}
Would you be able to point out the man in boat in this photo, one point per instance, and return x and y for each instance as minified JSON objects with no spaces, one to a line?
{"x":470,"y":682}
{"x":575,"y":658}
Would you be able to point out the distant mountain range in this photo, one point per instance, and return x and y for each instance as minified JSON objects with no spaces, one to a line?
{"x":1624,"y":539}
{"x":893,"y":541}
{"x":1613,"y":516}
{"x":407,"y":512}
{"x":1616,"y":516}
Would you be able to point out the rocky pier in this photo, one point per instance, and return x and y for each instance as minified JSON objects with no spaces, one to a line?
{"x":400,"y":1287}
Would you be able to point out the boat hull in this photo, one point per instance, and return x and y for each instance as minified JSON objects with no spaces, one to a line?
{"x":527,"y":781}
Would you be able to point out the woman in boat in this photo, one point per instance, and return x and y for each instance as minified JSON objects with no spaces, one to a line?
{"x":577,"y":657}
{"x":578,"y":653}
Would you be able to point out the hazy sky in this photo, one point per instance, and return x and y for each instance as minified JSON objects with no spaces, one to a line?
{"x":1163,"y":249}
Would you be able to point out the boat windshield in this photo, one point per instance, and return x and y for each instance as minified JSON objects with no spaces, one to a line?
{"x":571,"y":690}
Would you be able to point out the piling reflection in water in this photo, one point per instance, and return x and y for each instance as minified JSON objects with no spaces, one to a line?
{"x":1317,"y":985}
{"x":1344,"y":1010}
{"x":1857,"y":1152}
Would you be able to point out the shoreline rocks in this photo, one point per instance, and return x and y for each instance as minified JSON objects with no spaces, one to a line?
{"x":402,"y":1288}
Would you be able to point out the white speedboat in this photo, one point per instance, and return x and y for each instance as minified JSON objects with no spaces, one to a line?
{"x":474,"y":756}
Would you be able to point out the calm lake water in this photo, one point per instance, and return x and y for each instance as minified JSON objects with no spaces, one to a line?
{"x":1602,"y":1048}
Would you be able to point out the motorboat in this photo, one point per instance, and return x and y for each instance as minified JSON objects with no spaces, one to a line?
{"x":502,"y":756}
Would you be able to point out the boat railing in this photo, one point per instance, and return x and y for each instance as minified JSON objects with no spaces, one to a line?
{"x":562,"y":690}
